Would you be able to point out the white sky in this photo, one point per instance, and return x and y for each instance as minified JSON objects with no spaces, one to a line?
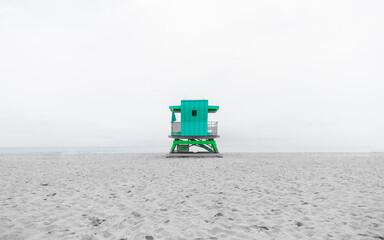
{"x":287,"y":75}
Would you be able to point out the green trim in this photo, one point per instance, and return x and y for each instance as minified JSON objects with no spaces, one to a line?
{"x":210,"y":146}
{"x":173,"y":146}
{"x":214,"y":146}
{"x":193,"y":142}
{"x":206,"y":147}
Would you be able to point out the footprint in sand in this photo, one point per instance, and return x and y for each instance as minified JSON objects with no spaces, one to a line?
{"x":299,"y":224}
{"x":136,"y":214}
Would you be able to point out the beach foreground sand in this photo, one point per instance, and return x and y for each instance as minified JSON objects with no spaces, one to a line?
{"x":146,"y":196}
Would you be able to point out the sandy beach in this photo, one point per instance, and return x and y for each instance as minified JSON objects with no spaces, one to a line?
{"x":146,"y":196}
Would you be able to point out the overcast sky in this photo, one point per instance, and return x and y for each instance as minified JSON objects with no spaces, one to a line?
{"x":287,"y":75}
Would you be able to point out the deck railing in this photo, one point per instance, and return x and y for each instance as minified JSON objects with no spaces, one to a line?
{"x":176,"y":127}
{"x":212,"y":128}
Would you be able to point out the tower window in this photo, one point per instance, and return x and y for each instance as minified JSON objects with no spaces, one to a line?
{"x":194,"y":113}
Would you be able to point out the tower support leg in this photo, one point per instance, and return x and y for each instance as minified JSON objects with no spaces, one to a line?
{"x":174,"y":144}
{"x":209,"y":145}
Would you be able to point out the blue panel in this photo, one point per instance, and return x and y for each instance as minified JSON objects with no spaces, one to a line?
{"x":194,"y":125}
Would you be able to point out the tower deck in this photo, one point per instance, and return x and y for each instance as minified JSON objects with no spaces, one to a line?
{"x":191,"y":154}
{"x":193,"y":137}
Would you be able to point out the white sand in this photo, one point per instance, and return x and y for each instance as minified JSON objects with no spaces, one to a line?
{"x":146,"y":196}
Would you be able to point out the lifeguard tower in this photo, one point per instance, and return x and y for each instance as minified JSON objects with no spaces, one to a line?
{"x":194,"y":129}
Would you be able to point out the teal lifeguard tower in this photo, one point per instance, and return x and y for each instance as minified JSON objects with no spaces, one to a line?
{"x":194,"y":129}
